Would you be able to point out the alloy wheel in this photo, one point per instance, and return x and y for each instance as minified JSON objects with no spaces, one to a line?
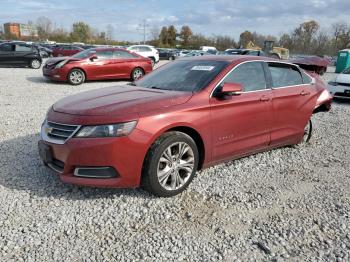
{"x":35,"y":64}
{"x":76,"y":77}
{"x":137,"y":74}
{"x":175,"y":166}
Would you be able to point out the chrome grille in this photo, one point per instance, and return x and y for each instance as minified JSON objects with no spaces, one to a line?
{"x":57,"y":133}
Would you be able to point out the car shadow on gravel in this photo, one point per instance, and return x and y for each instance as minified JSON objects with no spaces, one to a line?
{"x":40,"y":79}
{"x":23,"y":170}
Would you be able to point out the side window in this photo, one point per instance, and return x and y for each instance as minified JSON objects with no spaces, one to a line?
{"x":135,"y":48}
{"x":284,"y":75}
{"x":145,"y":49}
{"x":102,"y":55}
{"x":6,"y":47}
{"x":251,"y":75}
{"x":123,"y":54}
{"x":256,"y":53}
{"x":23,"y":48}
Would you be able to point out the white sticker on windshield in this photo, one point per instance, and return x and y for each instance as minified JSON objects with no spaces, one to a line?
{"x":203,"y":68}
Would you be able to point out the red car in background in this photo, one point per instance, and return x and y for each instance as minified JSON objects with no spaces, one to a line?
{"x":66,"y":50}
{"x":186,"y":115}
{"x":97,"y":64}
{"x":312,"y":63}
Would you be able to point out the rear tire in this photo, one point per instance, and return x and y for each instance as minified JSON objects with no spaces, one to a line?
{"x":170,"y":164}
{"x":307,"y":132}
{"x":153,"y":60}
{"x":35,"y":64}
{"x":76,"y":77}
{"x":137,"y":73}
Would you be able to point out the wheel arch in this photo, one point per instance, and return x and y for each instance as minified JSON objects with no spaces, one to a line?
{"x":77,"y":67}
{"x":193,"y":133}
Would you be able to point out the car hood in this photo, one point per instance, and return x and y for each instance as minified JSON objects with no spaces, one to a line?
{"x":120,"y":100}
{"x":55,"y":60}
{"x":343,"y":78}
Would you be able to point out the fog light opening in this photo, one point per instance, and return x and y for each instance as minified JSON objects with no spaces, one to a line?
{"x":95,"y":172}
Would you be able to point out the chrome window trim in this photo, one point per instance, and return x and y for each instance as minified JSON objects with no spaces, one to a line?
{"x":263,"y":61}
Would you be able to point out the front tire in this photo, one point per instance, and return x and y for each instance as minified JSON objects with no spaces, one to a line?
{"x":35,"y":64}
{"x":170,"y":164}
{"x":76,"y":77}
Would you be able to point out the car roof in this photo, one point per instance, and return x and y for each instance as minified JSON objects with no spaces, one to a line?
{"x":107,"y":49}
{"x":230,"y":58}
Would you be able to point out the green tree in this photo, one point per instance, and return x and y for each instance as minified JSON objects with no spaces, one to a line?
{"x":172,"y":35}
{"x":163,"y":36}
{"x":81,"y":32}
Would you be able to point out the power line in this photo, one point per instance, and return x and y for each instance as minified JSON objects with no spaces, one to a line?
{"x":142,"y":28}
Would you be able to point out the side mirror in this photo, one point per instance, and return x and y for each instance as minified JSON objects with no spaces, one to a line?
{"x":92,"y":58}
{"x":231,"y":89}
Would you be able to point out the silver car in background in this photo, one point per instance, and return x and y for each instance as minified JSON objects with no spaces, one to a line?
{"x":340,"y":86}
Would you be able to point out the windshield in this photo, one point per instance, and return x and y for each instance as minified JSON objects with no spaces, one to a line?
{"x":84,"y":54}
{"x":185,"y":75}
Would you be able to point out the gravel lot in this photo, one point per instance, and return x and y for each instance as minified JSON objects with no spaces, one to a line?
{"x":288,"y":204}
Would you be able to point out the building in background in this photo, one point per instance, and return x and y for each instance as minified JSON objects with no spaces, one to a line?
{"x":20,"y":31}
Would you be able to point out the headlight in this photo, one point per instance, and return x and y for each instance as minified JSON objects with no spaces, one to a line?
{"x":62,"y":63}
{"x":114,"y":130}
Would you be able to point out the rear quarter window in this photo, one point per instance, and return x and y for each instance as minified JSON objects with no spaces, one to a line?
{"x":306,"y":79}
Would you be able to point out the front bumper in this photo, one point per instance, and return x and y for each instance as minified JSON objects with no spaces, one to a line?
{"x":123,"y":155}
{"x":57,"y":74}
{"x":339,"y":91}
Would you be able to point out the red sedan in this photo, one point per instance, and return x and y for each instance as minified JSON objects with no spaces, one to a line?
{"x":183,"y":117}
{"x":97,"y":64}
{"x":66,"y":50}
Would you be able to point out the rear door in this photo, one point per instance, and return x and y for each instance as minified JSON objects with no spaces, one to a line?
{"x":124,"y":63}
{"x":241,"y":123}
{"x":6,"y":53}
{"x":293,"y":103}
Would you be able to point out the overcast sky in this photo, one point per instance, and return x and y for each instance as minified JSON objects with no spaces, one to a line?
{"x":209,"y":17}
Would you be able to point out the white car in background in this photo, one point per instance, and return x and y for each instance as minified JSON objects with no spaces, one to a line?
{"x":145,"y":51}
{"x":340,"y":87}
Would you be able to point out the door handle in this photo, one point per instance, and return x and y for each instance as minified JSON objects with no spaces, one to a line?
{"x":264,"y":98}
{"x":304,"y":93}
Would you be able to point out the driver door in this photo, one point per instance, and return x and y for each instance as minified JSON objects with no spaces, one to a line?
{"x":241,"y":123}
{"x":102,"y":67}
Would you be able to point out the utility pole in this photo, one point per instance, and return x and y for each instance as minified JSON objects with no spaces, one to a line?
{"x":142,"y":28}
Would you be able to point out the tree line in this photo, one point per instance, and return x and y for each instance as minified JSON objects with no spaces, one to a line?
{"x":307,"y":38}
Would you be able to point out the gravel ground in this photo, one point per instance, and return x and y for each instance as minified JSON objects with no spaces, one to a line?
{"x":287,"y":204}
